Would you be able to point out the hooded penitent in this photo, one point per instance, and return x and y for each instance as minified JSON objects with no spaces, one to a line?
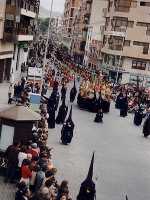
{"x":67,"y":129}
{"x":73,"y":93}
{"x":87,"y":189}
{"x":69,"y":120}
{"x":62,"y":113}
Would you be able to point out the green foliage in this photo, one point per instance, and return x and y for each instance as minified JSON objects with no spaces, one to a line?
{"x":43,"y":24}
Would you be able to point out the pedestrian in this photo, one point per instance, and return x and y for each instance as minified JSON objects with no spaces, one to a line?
{"x":11,"y":155}
{"x":63,"y":188}
{"x":26,"y":172}
{"x":21,"y":157}
{"x":40,"y":176}
{"x":23,"y":192}
{"x":99,"y":116}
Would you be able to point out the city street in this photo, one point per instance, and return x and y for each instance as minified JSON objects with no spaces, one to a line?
{"x":122,"y":156}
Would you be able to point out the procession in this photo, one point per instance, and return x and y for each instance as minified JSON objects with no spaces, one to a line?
{"x":35,"y":173}
{"x":75,"y":100}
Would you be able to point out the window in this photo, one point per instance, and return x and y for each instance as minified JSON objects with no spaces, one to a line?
{"x":144,"y":45}
{"x":134,"y":4}
{"x":138,"y":64}
{"x":130,"y":24}
{"x":127,"y":43}
{"x":143,"y":3}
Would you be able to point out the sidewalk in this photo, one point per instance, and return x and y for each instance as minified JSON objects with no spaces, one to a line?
{"x":4,"y":93}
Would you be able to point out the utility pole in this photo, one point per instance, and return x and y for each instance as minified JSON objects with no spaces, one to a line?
{"x":47,"y":41}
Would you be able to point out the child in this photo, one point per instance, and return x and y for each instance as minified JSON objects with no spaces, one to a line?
{"x":99,"y":116}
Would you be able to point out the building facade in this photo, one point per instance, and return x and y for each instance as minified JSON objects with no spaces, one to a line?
{"x":71,"y":7}
{"x":6,"y":47}
{"x":92,"y":57}
{"x":80,"y":30}
{"x":17,"y":32}
{"x":126,"y":51}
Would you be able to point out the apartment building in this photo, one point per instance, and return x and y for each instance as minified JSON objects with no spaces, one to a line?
{"x":92,"y":57}
{"x":126,"y":50}
{"x":6,"y":48}
{"x":71,"y":7}
{"x":17,"y":31}
{"x":80,"y":29}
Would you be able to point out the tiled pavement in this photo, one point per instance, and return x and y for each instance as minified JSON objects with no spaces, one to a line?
{"x":7,"y":191}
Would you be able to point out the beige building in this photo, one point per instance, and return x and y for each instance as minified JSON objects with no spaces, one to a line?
{"x":92,"y":57}
{"x":126,"y":51}
{"x":6,"y":47}
{"x":17,"y":28}
{"x":80,"y":29}
{"x":70,"y":9}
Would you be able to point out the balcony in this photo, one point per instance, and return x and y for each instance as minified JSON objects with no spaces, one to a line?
{"x":30,"y":6}
{"x":9,"y":37}
{"x":10,"y":9}
{"x":28,"y":13}
{"x":114,"y":33}
{"x":9,"y":30}
{"x":89,"y":1}
{"x":21,"y":37}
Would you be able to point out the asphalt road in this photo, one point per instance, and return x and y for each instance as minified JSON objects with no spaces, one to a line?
{"x":122,"y":160}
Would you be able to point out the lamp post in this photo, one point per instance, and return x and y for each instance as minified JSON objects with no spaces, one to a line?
{"x":47,"y":41}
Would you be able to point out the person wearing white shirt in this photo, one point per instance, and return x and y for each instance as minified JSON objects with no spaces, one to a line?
{"x":22,"y":156}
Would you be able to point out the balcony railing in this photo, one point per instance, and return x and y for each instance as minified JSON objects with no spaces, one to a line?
{"x":25,"y":30}
{"x":115,"y":47}
{"x":33,"y":6}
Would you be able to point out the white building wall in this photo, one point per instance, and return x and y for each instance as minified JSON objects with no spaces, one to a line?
{"x":2,"y":16}
{"x":97,"y":21}
{"x":130,"y":73}
{"x":22,"y":57}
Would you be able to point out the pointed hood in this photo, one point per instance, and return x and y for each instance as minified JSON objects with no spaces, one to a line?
{"x":90,"y":173}
{"x":87,"y":189}
{"x":63,"y":102}
{"x":74,"y":82}
{"x":70,"y":114}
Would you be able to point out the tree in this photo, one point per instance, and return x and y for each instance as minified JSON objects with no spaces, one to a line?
{"x":43,"y":24}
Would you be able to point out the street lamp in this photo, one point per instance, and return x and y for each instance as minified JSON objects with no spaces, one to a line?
{"x":47,"y":41}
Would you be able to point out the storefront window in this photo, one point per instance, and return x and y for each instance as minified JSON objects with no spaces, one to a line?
{"x":137,"y":64}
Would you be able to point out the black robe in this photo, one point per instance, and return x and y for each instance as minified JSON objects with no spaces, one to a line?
{"x":99,"y":117}
{"x":51,"y":119}
{"x":105,"y":106}
{"x":73,"y":93}
{"x":63,"y":93}
{"x":117,"y":104}
{"x":51,"y":111}
{"x":67,"y":133}
{"x":123,"y":107}
{"x":138,"y":117}
{"x":62,"y":113}
{"x":146,"y":127}
{"x":87,"y":191}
